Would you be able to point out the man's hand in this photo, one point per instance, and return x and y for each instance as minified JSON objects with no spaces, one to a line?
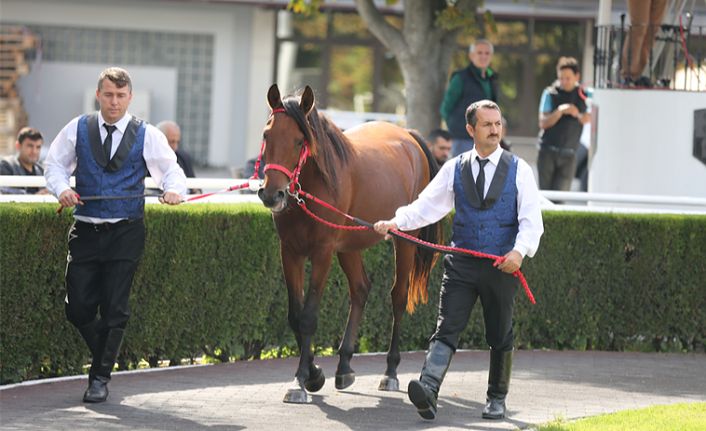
{"x":509,"y":263}
{"x":383,"y":226}
{"x":170,"y":198}
{"x":569,"y":109}
{"x":69,"y":198}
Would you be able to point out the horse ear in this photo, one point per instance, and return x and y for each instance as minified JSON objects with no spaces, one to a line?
{"x":273,"y":97}
{"x":307,"y":101}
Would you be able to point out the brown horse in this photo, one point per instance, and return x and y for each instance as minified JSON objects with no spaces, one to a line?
{"x":368,"y":172}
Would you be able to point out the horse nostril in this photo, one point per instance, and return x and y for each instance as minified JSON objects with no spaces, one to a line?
{"x":280,"y":195}
{"x":261,"y":194}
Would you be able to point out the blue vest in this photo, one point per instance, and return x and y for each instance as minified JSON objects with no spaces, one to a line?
{"x":490,"y":225}
{"x":122,"y":175}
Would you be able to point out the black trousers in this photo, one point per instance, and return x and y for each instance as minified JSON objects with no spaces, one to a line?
{"x":465,"y":280}
{"x":101,"y":265}
{"x":556,"y":169}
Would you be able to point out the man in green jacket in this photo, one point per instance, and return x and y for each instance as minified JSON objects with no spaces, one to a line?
{"x":475,"y":82}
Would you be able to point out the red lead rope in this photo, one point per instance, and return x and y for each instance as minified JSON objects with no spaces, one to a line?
{"x":436,"y":247}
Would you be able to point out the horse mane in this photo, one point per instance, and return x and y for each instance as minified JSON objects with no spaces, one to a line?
{"x":329,"y":147}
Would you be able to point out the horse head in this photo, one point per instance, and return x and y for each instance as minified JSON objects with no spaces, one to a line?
{"x":288,"y":142}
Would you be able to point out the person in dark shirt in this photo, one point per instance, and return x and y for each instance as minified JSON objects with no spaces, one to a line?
{"x":562,"y":114}
{"x":25,"y":162}
{"x":440,"y":145}
{"x":475,"y":82}
{"x":173,"y":133}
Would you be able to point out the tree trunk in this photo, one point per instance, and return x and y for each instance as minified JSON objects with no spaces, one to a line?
{"x":423,"y":52}
{"x":423,"y":94}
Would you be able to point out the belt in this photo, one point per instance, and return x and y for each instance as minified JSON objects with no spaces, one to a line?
{"x":103,"y":227}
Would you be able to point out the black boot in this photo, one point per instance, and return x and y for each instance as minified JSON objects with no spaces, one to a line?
{"x":424,"y":392}
{"x":97,"y":391}
{"x":91,"y":335}
{"x":95,"y":340}
{"x":498,"y":384}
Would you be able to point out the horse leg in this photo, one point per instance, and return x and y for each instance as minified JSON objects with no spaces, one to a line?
{"x":293,"y":268}
{"x":310,"y":376}
{"x":358,"y":288}
{"x":404,"y":260}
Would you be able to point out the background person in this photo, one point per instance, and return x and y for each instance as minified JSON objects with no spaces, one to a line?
{"x":173,"y":133}
{"x":26,"y":162}
{"x":440,"y":145}
{"x":562,"y":114}
{"x":475,"y":82}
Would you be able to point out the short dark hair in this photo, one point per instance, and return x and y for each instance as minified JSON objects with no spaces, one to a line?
{"x":29,"y":133}
{"x":472,"y":110}
{"x":438,"y":133}
{"x":117,"y":75}
{"x":567,"y":63}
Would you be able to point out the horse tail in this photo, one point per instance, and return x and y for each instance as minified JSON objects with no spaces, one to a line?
{"x":424,"y":259}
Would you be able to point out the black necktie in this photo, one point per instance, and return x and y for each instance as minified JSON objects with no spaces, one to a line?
{"x":108,"y":143}
{"x":480,"y":179}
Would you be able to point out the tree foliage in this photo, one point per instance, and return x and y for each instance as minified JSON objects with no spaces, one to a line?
{"x":423,"y":47}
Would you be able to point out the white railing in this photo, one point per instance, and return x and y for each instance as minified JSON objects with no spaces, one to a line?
{"x":572,"y":201}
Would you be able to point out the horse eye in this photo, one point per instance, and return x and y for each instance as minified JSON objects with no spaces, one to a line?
{"x":300,"y":142}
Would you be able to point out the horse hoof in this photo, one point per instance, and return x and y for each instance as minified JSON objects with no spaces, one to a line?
{"x":344,"y":380}
{"x":389,"y":384}
{"x":316,"y":381}
{"x":296,"y":396}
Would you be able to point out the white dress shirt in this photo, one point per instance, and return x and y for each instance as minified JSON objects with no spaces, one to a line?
{"x":438,"y":198}
{"x":159,"y":158}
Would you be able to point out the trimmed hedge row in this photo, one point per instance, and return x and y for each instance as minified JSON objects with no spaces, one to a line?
{"x":210,"y":281}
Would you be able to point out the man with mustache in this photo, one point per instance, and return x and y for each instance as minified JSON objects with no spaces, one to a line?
{"x":497,"y":212}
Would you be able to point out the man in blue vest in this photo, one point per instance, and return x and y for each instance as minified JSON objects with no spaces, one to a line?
{"x":562,"y":114}
{"x":111,"y":152}
{"x":475,"y":82}
{"x":497,"y":212}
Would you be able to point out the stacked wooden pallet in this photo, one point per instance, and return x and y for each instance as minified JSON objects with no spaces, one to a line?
{"x":16,"y":43}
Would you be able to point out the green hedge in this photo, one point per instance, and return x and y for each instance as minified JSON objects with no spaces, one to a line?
{"x":210,"y":281}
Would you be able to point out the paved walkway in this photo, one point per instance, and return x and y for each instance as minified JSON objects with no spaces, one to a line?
{"x":248,"y":395}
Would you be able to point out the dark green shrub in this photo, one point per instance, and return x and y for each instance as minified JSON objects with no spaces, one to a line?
{"x":210,"y":281}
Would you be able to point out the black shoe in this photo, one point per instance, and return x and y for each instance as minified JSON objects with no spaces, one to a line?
{"x":494,"y":409}
{"x":97,"y":391}
{"x":423,"y":399}
{"x":643,"y":82}
{"x":626,"y":83}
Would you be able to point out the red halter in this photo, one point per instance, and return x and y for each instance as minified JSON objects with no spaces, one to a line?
{"x":292,"y":175}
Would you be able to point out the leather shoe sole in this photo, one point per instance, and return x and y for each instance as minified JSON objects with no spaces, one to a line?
{"x":418,"y":395}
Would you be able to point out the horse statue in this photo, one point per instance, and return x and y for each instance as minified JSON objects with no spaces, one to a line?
{"x":368,"y":171}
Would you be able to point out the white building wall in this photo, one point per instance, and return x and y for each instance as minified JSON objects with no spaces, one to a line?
{"x":645,"y":143}
{"x":243,"y":52}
